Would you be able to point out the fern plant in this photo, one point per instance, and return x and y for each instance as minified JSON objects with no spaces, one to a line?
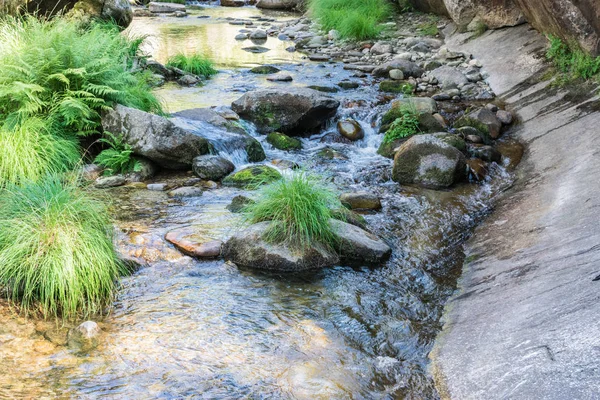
{"x":405,"y":125}
{"x":118,"y":158}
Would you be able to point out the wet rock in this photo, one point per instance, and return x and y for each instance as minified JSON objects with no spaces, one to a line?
{"x":280,"y":77}
{"x":396,"y":87}
{"x":241,"y":36}
{"x":428,"y":161}
{"x":249,"y":249}
{"x":258,"y":34}
{"x":348,"y":85}
{"x":330,"y":154}
{"x":155,"y":137}
{"x":188,"y":80}
{"x":474,"y":139}
{"x":210,"y":167}
{"x":256,"y":49}
{"x":193,"y":243}
{"x":186,"y":191}
{"x":422,"y":105}
{"x":469,"y":131}
{"x":278,"y":4}
{"x":324,"y":89}
{"x":85,"y":337}
{"x":319,"y":57}
{"x":252,"y":177}
{"x":293,"y":111}
{"x":350,"y":129}
{"x":408,"y":68}
{"x":106,"y":182}
{"x":429,"y":124}
{"x":483,"y":120}
{"x":477,"y":169}
{"x":361,"y":201}
{"x":505,"y":117}
{"x":486,"y":153}
{"x":283,"y":142}
{"x":227,"y":113}
{"x":358,"y":245}
{"x":388,"y":149}
{"x":157,"y":187}
{"x":449,"y":77}
{"x":238,"y":203}
{"x":233,"y":3}
{"x":165,"y":8}
{"x":265,"y":70}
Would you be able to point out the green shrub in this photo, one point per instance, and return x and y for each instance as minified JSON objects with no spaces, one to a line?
{"x":299,"y":208}
{"x":32,"y":149}
{"x":571,"y":61}
{"x":118,"y":157}
{"x":353,"y":19}
{"x":405,"y":125}
{"x":196,"y":64}
{"x":56,"y":249}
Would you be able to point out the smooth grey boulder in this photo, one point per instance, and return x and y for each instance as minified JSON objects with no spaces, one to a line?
{"x":155,"y":137}
{"x":358,"y":245}
{"x":449,"y":77}
{"x":428,"y":161}
{"x":105,"y":182}
{"x":212,"y":168}
{"x":248,"y":249}
{"x":293,"y":111}
{"x":408,"y":68}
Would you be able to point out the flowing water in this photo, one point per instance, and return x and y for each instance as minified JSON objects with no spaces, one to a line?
{"x":205,"y":329}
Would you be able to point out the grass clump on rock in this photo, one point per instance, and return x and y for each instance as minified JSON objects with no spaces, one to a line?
{"x":299,"y":209}
{"x":56,"y":249}
{"x":571,"y":61}
{"x":353,"y":19}
{"x":196,"y":64}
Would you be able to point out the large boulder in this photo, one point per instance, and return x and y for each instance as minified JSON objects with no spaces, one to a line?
{"x":449,"y":77}
{"x":428,"y":161}
{"x":224,"y":135}
{"x":212,"y":168}
{"x":248,"y":249}
{"x":572,"y":20}
{"x":293,"y":111}
{"x":155,"y":137}
{"x":111,"y":10}
{"x":279,"y":4}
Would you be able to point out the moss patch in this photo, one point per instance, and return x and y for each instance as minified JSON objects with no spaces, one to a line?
{"x":283,"y":142}
{"x":396,"y":87}
{"x":252,"y":177}
{"x":255,"y":151}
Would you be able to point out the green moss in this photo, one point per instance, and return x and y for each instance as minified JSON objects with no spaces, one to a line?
{"x":283,"y":142}
{"x":255,"y":151}
{"x":454,"y":141}
{"x":396,"y":87}
{"x":473,"y":123}
{"x":386,"y":149}
{"x":252,"y":177}
{"x":349,"y":216}
{"x":264,"y":115}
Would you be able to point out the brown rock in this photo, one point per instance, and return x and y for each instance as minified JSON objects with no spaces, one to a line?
{"x":194,"y":243}
{"x":477,"y":168}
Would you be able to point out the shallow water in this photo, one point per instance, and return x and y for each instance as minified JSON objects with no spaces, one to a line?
{"x":206,"y":329}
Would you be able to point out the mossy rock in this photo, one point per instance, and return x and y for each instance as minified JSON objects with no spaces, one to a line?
{"x":387,"y":149}
{"x":252,"y":177}
{"x":283,"y":142}
{"x":255,"y":151}
{"x":349,"y":216}
{"x":330,"y":154}
{"x":429,"y":124}
{"x":324,"y":89}
{"x":453,"y":140}
{"x":469,"y":130}
{"x":238,"y":203}
{"x":265,"y":70}
{"x":396,"y":87}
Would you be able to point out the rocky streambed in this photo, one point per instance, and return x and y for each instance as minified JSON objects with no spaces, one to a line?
{"x":188,"y":322}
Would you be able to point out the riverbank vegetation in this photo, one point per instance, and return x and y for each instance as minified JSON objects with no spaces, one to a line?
{"x":403,"y":123}
{"x":353,"y":19}
{"x":196,"y":64}
{"x":299,"y":208}
{"x":571,"y":61}
{"x":56,"y":248}
{"x":56,"y":243}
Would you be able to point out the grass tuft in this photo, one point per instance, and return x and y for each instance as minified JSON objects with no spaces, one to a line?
{"x":353,"y":19}
{"x":56,"y":249}
{"x":572,"y":62}
{"x":299,"y":208}
{"x":196,"y":64}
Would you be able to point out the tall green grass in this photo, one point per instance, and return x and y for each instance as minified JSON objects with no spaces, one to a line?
{"x":571,"y":61}
{"x":299,"y":208}
{"x":56,"y":79}
{"x":56,"y":249}
{"x":196,"y":64}
{"x":353,"y":19}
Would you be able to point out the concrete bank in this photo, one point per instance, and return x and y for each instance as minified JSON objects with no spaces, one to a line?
{"x":525,"y":320}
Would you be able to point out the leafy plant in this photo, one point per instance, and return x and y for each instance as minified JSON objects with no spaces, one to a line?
{"x":196,"y":64}
{"x":118,"y":158}
{"x":299,"y":208}
{"x":56,"y":249}
{"x":353,"y":19}
{"x":405,"y":125}
{"x":571,"y":61}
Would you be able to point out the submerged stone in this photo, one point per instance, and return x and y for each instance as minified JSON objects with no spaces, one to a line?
{"x":193,"y":243}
